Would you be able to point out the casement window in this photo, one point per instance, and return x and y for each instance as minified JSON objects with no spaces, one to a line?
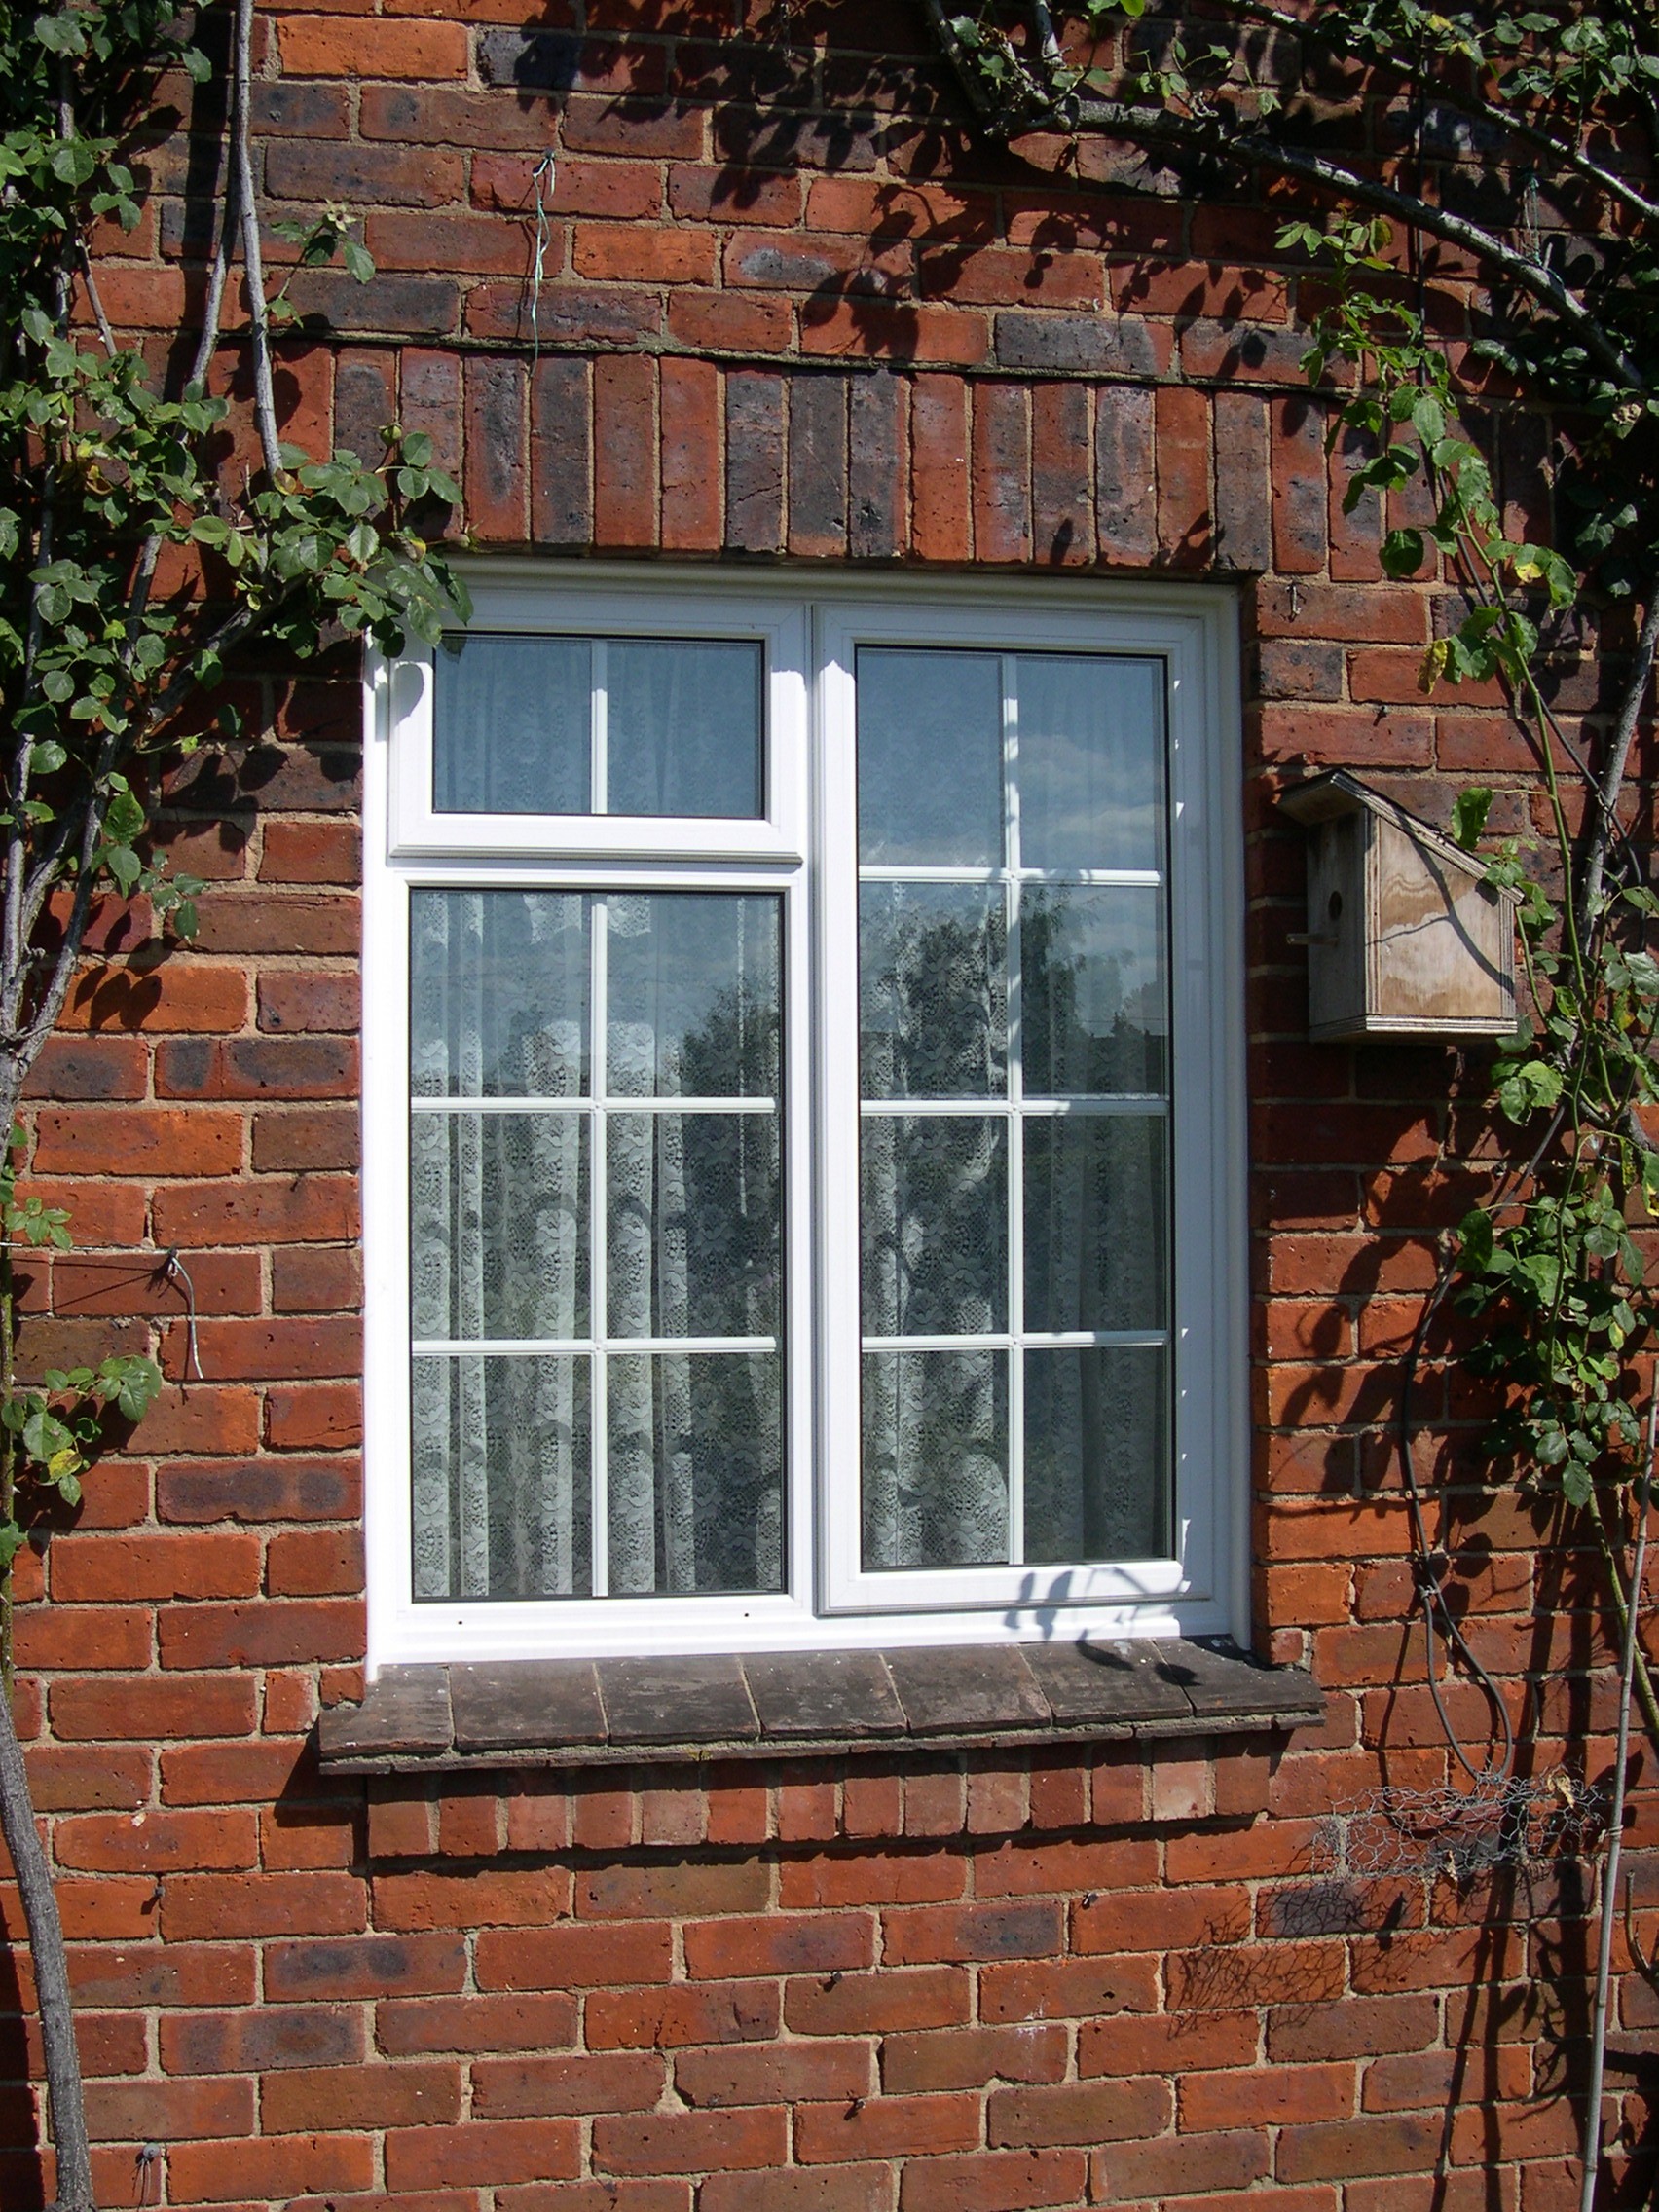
{"x":802,"y":1117}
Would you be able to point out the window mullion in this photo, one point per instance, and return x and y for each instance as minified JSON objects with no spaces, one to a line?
{"x":599,"y":1316}
{"x":1016,"y":1148}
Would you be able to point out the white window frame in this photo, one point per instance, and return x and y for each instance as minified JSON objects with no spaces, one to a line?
{"x":804,"y":850}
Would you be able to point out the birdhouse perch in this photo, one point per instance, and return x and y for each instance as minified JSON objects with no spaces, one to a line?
{"x":1404,"y":937}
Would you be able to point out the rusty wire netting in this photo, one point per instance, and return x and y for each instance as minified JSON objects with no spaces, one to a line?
{"x":1462,"y":1832}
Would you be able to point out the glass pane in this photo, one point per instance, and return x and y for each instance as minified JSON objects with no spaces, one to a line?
{"x":1095,"y":1006}
{"x":1091,"y":761}
{"x":935,"y":1458}
{"x":929,"y":758}
{"x":934,"y":1224}
{"x":683,"y":727}
{"x":1096,"y":1222}
{"x":499,"y":1225}
{"x":694,"y":999}
{"x":695,"y":1472}
{"x":1096,"y":1454}
{"x":498,"y":994}
{"x":503,"y":1478}
{"x":932,"y":990}
{"x":695,"y":1240}
{"x":511,"y":726}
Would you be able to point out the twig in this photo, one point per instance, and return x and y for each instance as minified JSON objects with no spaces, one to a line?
{"x":1618,"y":756}
{"x":1615,"y":1837}
{"x":253,"y":266}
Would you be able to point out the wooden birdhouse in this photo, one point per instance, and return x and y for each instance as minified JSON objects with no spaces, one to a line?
{"x":1404,"y":937}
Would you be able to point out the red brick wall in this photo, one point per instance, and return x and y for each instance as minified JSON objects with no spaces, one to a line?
{"x":788,"y":311}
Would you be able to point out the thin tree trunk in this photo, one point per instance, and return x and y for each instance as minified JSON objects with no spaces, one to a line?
{"x":51,"y":1974}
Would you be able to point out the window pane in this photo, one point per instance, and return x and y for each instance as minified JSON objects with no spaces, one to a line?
{"x":935,"y":1458}
{"x":503,"y":1478}
{"x":1094,"y":992}
{"x":1096,"y":1454}
{"x":695,"y":1236}
{"x":695,"y":1482}
{"x":684,"y":727}
{"x":512,"y":725}
{"x":929,"y":758}
{"x":1096,"y":1222}
{"x":1091,"y":761}
{"x":498,"y":994}
{"x":932,"y":990}
{"x":499,"y":1225}
{"x":694,"y":999}
{"x":934,"y":1224}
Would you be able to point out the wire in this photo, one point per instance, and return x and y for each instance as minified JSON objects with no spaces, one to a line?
{"x":543,"y":178}
{"x":168,"y":1267}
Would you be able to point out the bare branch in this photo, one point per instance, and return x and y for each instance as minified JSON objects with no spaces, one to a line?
{"x":1255,"y":148}
{"x":106,"y":335}
{"x":253,"y":266}
{"x":1612,"y":780}
{"x":1305,"y":27}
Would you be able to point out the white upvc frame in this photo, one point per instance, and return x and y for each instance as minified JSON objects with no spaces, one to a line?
{"x":805,"y":850}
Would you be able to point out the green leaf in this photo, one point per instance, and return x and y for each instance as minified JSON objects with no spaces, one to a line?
{"x":1469,"y":812}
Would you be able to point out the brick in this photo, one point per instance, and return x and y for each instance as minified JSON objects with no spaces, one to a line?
{"x":521,"y":2088}
{"x":157,"y":1841}
{"x":265,"y":1631}
{"x":220,"y":1905}
{"x":274,"y":2167}
{"x":1343,"y":2150}
{"x":109,"y":1569}
{"x":360,"y":2096}
{"x":315,"y":46}
{"x":796,"y":2188}
{"x":133,"y":1140}
{"x":787,"y":2074}
{"x":574,"y":1957}
{"x":692,"y":2142}
{"x":1079,"y":2112}
{"x":885,"y":2127}
{"x":938,"y":469}
{"x":715,"y":2012}
{"x":625,"y":446}
{"x":496,"y":472}
{"x":408,"y":2026}
{"x":1000,"y":473}
{"x":310,"y":1209}
{"x":482,"y":2153}
{"x":1178,"y":2166}
{"x":233,"y":2042}
{"x":875,"y":2004}
{"x":993,"y":2181}
{"x":480,"y":1897}
{"x":689,"y":413}
{"x":818,"y":496}
{"x":923,"y":1933}
{"x":1185,"y":518}
{"x":877,"y":469}
{"x":363,"y":1967}
{"x":1062,"y":508}
{"x":754,"y":461}
{"x":780,"y":1944}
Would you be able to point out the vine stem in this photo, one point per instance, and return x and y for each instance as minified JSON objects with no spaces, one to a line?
{"x":1592,"y":2159}
{"x":1625,"y":1614}
{"x":253,"y":266}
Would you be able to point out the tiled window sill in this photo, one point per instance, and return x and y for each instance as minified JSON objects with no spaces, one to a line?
{"x":632,"y":1711}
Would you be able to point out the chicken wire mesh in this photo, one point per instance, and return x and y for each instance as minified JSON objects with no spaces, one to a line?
{"x":1463,"y":1830}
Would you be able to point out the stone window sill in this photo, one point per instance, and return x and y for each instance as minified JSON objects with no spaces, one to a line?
{"x":634,"y":1711}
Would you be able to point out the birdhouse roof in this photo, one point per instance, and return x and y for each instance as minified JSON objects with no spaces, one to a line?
{"x":1328,"y":797}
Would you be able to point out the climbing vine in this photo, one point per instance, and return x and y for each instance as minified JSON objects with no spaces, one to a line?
{"x":1468,"y":197}
{"x":152,"y":524}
